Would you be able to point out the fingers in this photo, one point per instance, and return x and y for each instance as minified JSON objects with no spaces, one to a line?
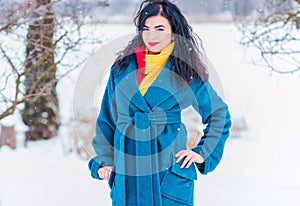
{"x":181,"y":154}
{"x":189,"y":163}
{"x":189,"y":157}
{"x":101,"y":173}
{"x":104,"y":172}
{"x":188,"y":160}
{"x":106,"y":175}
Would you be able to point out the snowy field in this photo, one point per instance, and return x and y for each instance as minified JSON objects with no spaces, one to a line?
{"x":259,"y":169}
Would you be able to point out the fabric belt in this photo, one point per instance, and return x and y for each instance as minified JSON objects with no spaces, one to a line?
{"x":153,"y":117}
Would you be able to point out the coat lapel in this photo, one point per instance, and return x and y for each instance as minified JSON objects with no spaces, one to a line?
{"x":127,"y":85}
{"x":164,"y":87}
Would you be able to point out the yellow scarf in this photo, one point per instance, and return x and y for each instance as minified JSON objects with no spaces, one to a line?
{"x":154,"y":65}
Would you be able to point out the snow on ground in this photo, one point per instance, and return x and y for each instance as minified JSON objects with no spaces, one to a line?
{"x":261,"y":168}
{"x":42,"y":175}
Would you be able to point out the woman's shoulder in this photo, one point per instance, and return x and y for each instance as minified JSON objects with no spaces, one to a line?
{"x":119,"y":70}
{"x":197,"y":82}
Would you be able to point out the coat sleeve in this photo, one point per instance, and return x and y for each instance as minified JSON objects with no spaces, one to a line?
{"x":216,"y":117}
{"x":105,"y":126}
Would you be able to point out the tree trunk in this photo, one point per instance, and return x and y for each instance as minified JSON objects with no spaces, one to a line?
{"x":41,"y":112}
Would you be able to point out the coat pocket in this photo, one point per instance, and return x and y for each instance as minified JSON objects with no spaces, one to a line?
{"x":178,"y":184}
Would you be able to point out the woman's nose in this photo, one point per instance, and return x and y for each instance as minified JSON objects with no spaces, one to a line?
{"x":152,"y":34}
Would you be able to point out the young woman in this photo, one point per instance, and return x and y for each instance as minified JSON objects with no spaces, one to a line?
{"x":140,"y":139}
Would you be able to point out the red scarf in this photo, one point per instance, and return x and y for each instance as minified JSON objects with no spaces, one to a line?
{"x":140,"y":54}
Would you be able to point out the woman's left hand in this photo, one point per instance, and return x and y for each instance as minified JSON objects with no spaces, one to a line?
{"x":189,"y":157}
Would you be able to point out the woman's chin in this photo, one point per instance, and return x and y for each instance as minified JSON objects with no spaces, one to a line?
{"x":154,"y":52}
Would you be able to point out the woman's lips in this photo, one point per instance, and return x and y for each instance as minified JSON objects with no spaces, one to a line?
{"x":153,"y":43}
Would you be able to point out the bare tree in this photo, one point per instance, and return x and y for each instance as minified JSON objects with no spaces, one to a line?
{"x":37,"y":37}
{"x":275,"y":32}
{"x":42,"y":114}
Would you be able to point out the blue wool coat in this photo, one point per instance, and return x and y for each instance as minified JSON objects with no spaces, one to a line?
{"x":140,"y":135}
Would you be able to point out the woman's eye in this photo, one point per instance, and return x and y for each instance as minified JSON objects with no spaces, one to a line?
{"x":145,"y":29}
{"x":160,"y":29}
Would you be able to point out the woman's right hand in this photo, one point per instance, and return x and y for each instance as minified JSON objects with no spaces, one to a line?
{"x":104,"y":172}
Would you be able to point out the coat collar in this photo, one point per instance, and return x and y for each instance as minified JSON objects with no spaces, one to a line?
{"x":165,"y":81}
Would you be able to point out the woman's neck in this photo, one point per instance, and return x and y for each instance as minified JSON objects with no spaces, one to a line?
{"x":153,"y":53}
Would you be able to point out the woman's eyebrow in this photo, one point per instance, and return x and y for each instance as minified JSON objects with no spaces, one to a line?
{"x":159,"y":26}
{"x":155,"y":26}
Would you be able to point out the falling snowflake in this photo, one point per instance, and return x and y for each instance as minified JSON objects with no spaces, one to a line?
{"x":226,"y":4}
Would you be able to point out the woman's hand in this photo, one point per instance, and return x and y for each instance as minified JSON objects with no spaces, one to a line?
{"x":190,"y":157}
{"x":104,"y":172}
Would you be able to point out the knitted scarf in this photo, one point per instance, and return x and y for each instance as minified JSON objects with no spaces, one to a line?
{"x":150,"y":65}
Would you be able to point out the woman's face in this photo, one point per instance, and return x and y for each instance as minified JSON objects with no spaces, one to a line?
{"x":157,"y":34}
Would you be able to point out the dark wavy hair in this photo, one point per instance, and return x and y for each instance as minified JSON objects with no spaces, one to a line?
{"x":186,"y":57}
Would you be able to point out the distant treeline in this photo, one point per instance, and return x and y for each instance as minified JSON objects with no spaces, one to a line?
{"x":238,"y":7}
{"x":197,"y":10}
